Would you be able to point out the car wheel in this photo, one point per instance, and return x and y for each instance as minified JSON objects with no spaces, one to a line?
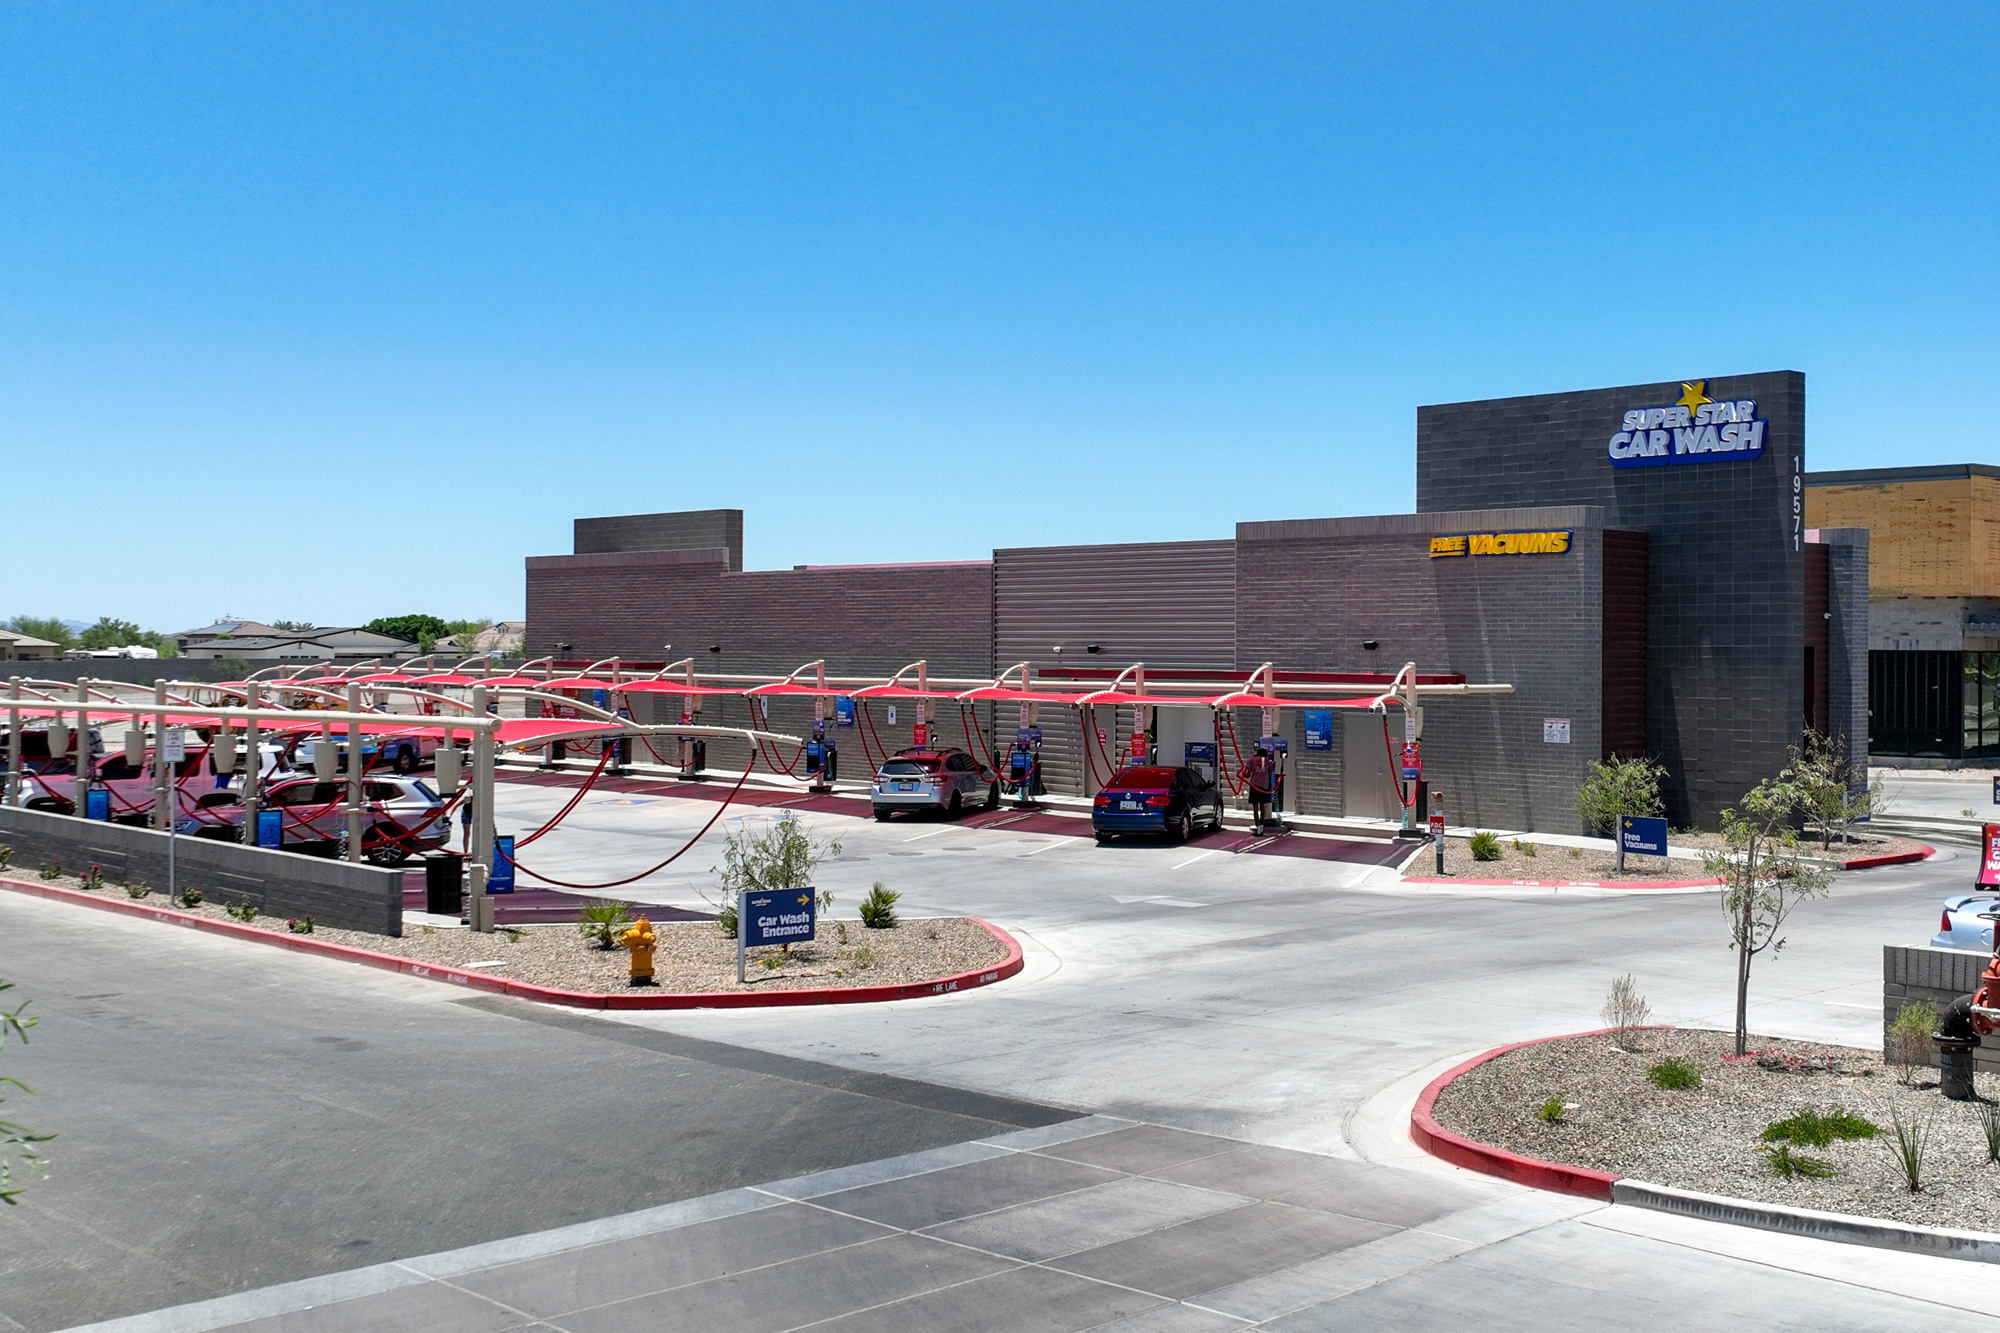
{"x":387,"y":850}
{"x":51,"y":805}
{"x":993,"y":795}
{"x":1178,"y":829}
{"x":957,"y":805}
{"x":1216,"y":821}
{"x":406,"y":761}
{"x":882,"y":816}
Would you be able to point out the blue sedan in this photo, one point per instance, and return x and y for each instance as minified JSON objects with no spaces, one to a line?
{"x":1172,"y":801}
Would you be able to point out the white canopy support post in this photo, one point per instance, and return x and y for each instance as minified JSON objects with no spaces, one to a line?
{"x":83,"y":765}
{"x":253,"y":766}
{"x":479,"y":915}
{"x":14,"y":743}
{"x":354,"y":766}
{"x":165,"y":778}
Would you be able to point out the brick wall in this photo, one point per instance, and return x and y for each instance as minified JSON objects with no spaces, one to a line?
{"x":1310,"y":591}
{"x":1940,"y":976}
{"x":1726,"y":580}
{"x":1848,"y":639}
{"x":282,"y":884}
{"x":689,"y":530}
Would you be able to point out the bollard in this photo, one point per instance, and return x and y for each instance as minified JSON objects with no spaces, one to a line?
{"x":638,"y":940}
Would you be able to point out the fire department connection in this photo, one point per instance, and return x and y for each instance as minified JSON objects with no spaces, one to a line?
{"x":1193,"y":714}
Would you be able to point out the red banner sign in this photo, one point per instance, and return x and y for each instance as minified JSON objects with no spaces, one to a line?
{"x":1989,"y":867}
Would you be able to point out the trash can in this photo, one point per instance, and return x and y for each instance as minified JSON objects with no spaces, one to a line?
{"x":444,"y":883}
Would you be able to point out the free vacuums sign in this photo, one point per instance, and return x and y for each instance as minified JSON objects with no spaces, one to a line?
{"x":1696,"y":429}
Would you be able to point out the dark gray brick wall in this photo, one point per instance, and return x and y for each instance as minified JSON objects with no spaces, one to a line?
{"x":282,"y":884}
{"x":1310,"y":591}
{"x":1847,"y":635}
{"x":682,"y":531}
{"x":1725,"y":689}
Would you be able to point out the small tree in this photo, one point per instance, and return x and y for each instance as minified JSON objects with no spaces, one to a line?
{"x":1626,"y":1011}
{"x":777,"y":856}
{"x":1830,"y":795}
{"x":1763,"y":878}
{"x":1618,"y":787}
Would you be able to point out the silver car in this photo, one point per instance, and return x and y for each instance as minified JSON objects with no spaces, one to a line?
{"x":931,"y":779}
{"x":1960,"y":927}
{"x":401,"y":817}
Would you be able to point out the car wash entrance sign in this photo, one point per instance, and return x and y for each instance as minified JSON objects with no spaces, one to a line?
{"x":1695,"y":429}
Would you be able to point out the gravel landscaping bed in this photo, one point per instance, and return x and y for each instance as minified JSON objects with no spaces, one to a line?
{"x":687,"y":955}
{"x":1524,"y":859}
{"x":1708,"y":1138}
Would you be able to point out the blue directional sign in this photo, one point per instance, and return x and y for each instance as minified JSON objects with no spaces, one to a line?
{"x":1648,"y":837}
{"x":784,"y":917}
{"x":270,"y":828}
{"x":500,"y":879}
{"x":1319,"y":728}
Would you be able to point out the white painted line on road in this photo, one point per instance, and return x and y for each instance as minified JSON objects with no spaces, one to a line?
{"x":1191,"y":860}
{"x":1044,"y":847}
{"x":932,"y":834}
{"x":1838,"y":1005}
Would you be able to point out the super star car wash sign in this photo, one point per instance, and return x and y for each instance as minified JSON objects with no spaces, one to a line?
{"x":1696,"y":429}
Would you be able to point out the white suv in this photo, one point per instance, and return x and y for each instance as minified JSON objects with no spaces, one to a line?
{"x":931,"y":779}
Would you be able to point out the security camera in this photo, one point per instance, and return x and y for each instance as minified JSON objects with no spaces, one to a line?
{"x":1371,"y":644}
{"x":715,"y":647}
{"x":1094,"y":648}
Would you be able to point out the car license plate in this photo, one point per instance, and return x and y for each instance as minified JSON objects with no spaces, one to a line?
{"x":906,"y":786}
{"x":1128,"y":805}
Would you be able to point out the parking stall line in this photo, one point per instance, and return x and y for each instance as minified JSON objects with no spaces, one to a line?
{"x":1191,"y":860}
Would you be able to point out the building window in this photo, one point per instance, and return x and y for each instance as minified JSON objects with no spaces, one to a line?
{"x":1982,"y":705}
{"x":1917,"y":702}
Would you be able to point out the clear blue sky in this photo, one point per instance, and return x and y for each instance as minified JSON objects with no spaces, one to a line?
{"x":325,"y":312}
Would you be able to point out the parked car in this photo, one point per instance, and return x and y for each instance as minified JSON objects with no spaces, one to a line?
{"x":1959,"y":927}
{"x":400,"y":816}
{"x":402,"y":754}
{"x":1173,"y":801}
{"x":930,"y":778}
{"x":54,"y":787}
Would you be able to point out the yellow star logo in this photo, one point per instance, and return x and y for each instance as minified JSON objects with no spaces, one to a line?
{"x":1693,"y":397}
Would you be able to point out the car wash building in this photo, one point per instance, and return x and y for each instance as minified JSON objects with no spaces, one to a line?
{"x":1634,"y":562}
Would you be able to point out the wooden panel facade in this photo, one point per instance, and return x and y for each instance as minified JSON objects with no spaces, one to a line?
{"x":1932,"y":537}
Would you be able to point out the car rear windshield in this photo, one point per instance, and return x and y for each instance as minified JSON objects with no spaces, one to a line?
{"x":904,"y":768}
{"x":1146,"y":779}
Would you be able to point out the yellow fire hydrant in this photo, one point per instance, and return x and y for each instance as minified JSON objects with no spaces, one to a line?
{"x":638,"y":938}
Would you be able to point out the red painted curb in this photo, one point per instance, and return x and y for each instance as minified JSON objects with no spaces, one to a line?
{"x":1566,"y":883}
{"x":1891,"y":859}
{"x":1438,"y":1141}
{"x":636,"y":999}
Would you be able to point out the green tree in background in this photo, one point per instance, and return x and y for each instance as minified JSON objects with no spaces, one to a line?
{"x":44,"y":627}
{"x":112,"y":633}
{"x":425,"y":630}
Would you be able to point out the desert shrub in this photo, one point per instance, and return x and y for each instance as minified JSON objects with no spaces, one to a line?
{"x":53,"y":870}
{"x":6,"y":855}
{"x":188,"y":897}
{"x":1788,"y":1163}
{"x":300,"y":925}
{"x":1625,"y":1009}
{"x":1910,"y":1145}
{"x":1484,"y":846}
{"x":1812,"y":1129}
{"x":878,"y":909}
{"x":244,"y":910}
{"x":133,"y":891}
{"x":93,"y":880}
{"x":1909,"y":1043}
{"x":1989,"y":1128}
{"x":777,"y":856}
{"x":1618,"y":787}
{"x":1674,"y":1074}
{"x":1551,"y":1111}
{"x":1524,"y":848}
{"x":604,"y":921}
{"x":865,"y":957}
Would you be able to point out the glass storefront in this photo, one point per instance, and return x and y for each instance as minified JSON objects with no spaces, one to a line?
{"x":1934,"y":705}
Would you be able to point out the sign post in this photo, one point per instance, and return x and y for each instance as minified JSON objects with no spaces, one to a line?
{"x":1437,"y":827}
{"x":1646,"y":837}
{"x":777,"y":916}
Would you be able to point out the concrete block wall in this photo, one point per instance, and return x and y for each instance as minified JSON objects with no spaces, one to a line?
{"x":283,"y":884}
{"x":1725,"y":693}
{"x":1311,"y":591}
{"x":1848,"y":638}
{"x":1938,"y":975}
{"x":688,"y":530}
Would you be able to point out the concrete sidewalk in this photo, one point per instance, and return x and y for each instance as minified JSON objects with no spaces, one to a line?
{"x":1105,"y":1224}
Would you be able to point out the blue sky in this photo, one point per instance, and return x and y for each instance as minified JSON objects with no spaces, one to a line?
{"x":325,"y":312}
